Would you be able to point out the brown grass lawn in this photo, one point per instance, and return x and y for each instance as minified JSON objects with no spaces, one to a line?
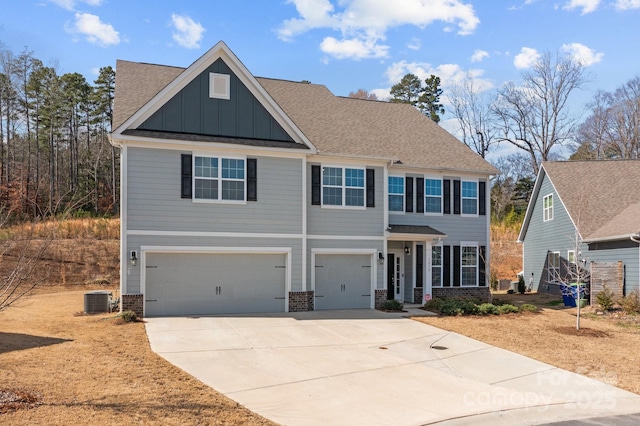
{"x":606,"y":349}
{"x":96,"y":370}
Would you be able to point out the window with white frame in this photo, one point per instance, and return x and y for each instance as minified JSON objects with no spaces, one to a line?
{"x":571,"y":256}
{"x":343,"y":186}
{"x":469,"y":197}
{"x":396,"y":194}
{"x":219,"y":179}
{"x":469,"y":265}
{"x":436,"y":266}
{"x":553,"y":266}
{"x":432,"y":195}
{"x":547,"y":203}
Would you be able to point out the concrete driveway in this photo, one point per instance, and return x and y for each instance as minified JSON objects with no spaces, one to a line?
{"x":374,"y":368}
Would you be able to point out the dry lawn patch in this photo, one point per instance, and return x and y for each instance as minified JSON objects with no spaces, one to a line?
{"x":602,"y":349}
{"x":61,"y":367}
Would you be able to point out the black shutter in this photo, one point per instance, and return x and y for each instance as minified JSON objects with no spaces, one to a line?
{"x":446,"y":266}
{"x":482,"y":275}
{"x":371,"y":188}
{"x":419,"y":195}
{"x":186,"y":176}
{"x":456,"y":266}
{"x":419,"y":265}
{"x":482,"y":198}
{"x":252,"y":179}
{"x":447,"y":196}
{"x":315,"y":185}
{"x":456,"y":197}
{"x":408,"y":191}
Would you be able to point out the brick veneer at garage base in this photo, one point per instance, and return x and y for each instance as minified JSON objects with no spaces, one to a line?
{"x":482,"y":293}
{"x":133,"y":302}
{"x":300,"y":301}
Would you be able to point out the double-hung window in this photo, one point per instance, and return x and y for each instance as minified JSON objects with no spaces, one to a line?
{"x":547,"y":203}
{"x":436,"y":266}
{"x":469,"y":197}
{"x":396,"y":194}
{"x":343,"y":186}
{"x":432,"y":195}
{"x":469,"y":265}
{"x":219,"y":179}
{"x":553,"y":266}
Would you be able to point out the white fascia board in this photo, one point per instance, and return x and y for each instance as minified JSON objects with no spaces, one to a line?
{"x":609,"y":238}
{"x":434,"y":171}
{"x":360,"y":160}
{"x":177,"y":145}
{"x":532,"y":202}
{"x":219,"y":51}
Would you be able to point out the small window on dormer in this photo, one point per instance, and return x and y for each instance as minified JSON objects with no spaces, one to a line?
{"x":219,"y":86}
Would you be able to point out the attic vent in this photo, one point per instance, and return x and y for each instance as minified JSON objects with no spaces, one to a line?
{"x":219,"y":86}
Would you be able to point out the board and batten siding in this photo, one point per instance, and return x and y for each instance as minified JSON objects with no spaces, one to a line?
{"x":154,"y":203}
{"x":134,"y":242}
{"x":542,"y":237}
{"x":327,"y":220}
{"x":192,"y":111}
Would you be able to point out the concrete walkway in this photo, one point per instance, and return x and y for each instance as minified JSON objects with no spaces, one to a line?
{"x":373,"y":368}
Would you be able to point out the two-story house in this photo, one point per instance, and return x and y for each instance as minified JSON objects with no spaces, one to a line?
{"x":244,"y":194}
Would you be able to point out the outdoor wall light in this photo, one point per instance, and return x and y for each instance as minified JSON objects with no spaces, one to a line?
{"x":380,"y":257}
{"x":407,"y":251}
{"x":133,"y":258}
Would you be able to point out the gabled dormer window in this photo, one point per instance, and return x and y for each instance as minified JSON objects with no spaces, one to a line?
{"x":547,"y":203}
{"x":219,"y":86}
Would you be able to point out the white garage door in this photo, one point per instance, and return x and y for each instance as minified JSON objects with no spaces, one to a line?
{"x":205,"y":284}
{"x":342,"y":281}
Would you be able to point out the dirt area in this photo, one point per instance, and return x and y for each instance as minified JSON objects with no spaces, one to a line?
{"x":59,"y":366}
{"x":606,"y":348}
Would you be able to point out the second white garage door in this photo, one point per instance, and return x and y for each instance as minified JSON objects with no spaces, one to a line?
{"x":206,"y":284}
{"x":342,"y":281}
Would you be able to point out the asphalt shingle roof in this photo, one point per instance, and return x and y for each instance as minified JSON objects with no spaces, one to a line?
{"x":335,"y":125}
{"x":602,"y":197}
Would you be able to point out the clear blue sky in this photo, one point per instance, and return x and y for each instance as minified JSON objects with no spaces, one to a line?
{"x":345,"y":44}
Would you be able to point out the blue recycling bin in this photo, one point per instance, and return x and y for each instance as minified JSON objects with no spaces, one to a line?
{"x":570,"y":293}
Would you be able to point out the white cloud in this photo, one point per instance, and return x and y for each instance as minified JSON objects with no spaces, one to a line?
{"x":71,"y":4}
{"x":366,"y":21}
{"x":95,"y":31}
{"x":526,"y":58}
{"x":479,"y":55}
{"x":627,"y":4}
{"x":587,"y":6}
{"x":582,"y":54}
{"x":415,"y":44}
{"x":450,"y":74}
{"x":353,"y":48}
{"x":188,"y":33}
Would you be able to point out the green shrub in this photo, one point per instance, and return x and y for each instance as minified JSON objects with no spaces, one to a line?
{"x":128,"y":316}
{"x":528,"y":307}
{"x":507,"y":309}
{"x":605,"y":298}
{"x":392,"y":305}
{"x":488,"y":309}
{"x":522,"y":287}
{"x":630,"y":304}
{"x":434,"y":305}
{"x":453,"y":307}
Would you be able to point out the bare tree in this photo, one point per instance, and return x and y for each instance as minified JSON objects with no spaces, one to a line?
{"x":535,"y":116}
{"x":472,"y":110}
{"x":363,"y":94}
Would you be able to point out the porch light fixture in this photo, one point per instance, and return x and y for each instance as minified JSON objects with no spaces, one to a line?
{"x":133,"y":258}
{"x":407,"y":251}
{"x":380,"y":257}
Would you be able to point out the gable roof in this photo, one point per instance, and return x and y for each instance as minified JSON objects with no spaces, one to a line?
{"x":334,"y":126}
{"x":601,"y":197}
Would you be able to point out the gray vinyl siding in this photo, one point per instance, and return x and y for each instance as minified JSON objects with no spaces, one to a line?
{"x":377,"y":245}
{"x":154,"y":203}
{"x":615,"y":251}
{"x":133,"y":242}
{"x":192,"y":111}
{"x":326,"y":220}
{"x":543,"y":237}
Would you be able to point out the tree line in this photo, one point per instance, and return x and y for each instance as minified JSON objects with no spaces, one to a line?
{"x":54,"y":150}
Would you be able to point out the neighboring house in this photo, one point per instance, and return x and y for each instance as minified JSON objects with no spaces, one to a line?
{"x":599,"y":200}
{"x":244,"y":194}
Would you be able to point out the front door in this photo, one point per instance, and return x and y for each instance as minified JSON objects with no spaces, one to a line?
{"x":395,"y":277}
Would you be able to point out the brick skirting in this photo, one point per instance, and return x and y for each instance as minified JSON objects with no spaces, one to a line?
{"x":301,"y":301}
{"x":417,"y":295}
{"x":132,"y":302}
{"x":381,"y":297}
{"x":482,"y":293}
